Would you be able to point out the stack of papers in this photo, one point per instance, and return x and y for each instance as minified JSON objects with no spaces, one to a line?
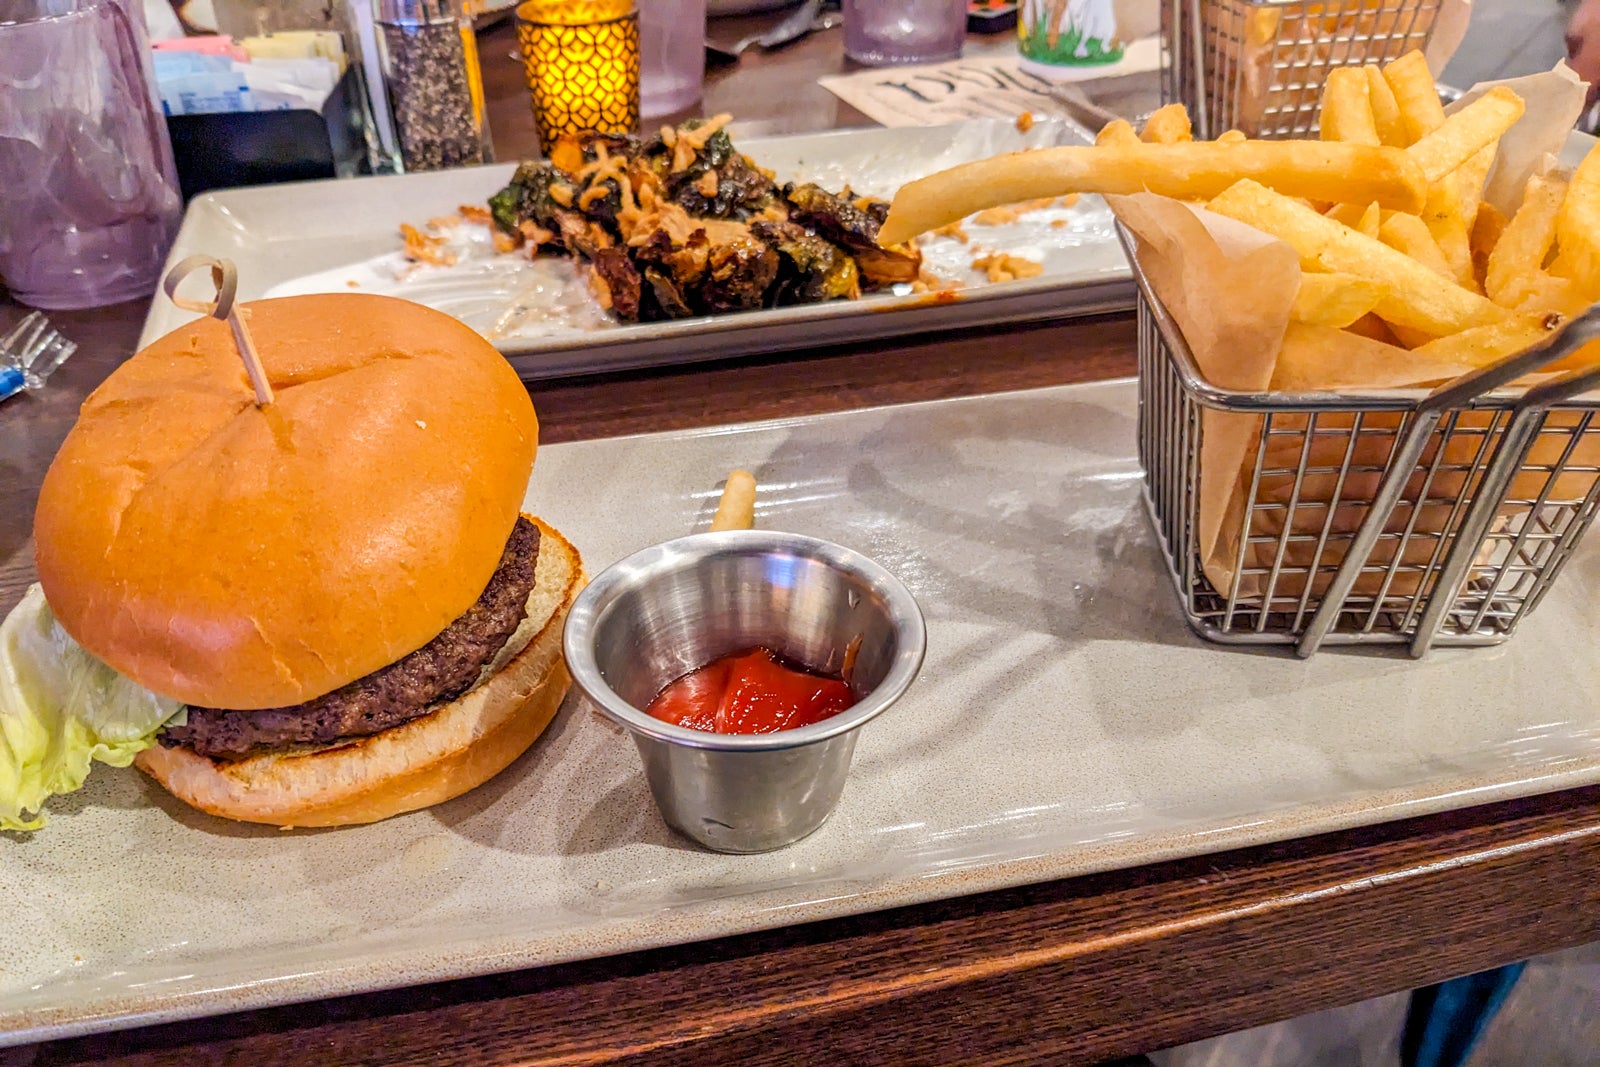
{"x":278,"y":72}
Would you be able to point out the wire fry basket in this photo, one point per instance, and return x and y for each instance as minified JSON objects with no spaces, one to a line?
{"x":1395,"y":517}
{"x":1258,"y":66}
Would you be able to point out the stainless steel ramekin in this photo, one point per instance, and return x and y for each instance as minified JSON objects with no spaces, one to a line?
{"x":670,"y":609}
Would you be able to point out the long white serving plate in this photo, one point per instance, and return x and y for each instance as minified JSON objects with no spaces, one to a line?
{"x":1066,"y":721}
{"x":335,"y":236}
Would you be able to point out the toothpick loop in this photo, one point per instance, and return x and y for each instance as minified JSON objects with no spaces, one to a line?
{"x":225,"y":278}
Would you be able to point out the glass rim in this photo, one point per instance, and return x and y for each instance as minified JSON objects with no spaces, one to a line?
{"x":521,"y":19}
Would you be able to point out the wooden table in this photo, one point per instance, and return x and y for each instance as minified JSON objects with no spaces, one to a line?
{"x":1069,"y":972}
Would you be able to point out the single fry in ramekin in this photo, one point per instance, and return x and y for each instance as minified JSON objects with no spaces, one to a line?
{"x":737,"y":508}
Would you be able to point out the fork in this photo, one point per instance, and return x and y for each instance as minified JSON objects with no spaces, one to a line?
{"x":30,"y":353}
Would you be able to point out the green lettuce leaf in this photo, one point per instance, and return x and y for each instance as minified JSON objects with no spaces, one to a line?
{"x":60,"y":709}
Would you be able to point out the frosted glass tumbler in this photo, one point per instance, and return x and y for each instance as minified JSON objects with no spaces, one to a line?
{"x":888,"y":32}
{"x":91,"y":198}
{"x":672,"y":46}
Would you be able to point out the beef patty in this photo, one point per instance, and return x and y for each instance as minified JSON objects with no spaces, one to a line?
{"x":436,"y":673}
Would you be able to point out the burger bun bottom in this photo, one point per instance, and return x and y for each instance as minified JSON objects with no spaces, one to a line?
{"x":426,"y":761}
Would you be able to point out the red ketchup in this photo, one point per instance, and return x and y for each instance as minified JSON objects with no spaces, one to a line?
{"x":751,"y":692}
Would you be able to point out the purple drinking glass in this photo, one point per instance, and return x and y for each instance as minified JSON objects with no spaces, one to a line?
{"x":883,"y":33}
{"x":91,"y":200}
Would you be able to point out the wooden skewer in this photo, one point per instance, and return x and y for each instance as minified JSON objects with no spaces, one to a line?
{"x":737,"y":508}
{"x":225,"y":277}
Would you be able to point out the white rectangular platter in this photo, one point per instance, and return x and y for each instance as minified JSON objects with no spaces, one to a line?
{"x":336,"y":236}
{"x":1065,"y":722}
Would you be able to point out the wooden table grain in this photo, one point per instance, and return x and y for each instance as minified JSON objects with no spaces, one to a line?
{"x":1068,"y":972}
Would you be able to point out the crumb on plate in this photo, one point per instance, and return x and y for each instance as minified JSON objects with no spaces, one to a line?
{"x":425,"y":248}
{"x":1005,"y":267}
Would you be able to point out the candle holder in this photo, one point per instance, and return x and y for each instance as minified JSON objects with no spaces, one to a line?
{"x":582,"y":62}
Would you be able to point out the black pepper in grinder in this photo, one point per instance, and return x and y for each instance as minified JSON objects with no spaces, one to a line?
{"x":430,"y":70}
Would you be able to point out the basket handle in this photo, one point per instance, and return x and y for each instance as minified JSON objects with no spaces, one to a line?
{"x":1456,"y":394}
{"x":1527,"y":416}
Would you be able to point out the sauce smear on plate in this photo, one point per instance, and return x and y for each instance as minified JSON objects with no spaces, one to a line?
{"x":750,"y":692}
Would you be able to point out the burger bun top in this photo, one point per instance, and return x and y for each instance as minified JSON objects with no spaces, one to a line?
{"x":235,"y":556}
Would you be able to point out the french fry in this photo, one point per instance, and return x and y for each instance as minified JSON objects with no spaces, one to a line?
{"x":1167,"y":125}
{"x":1488,"y":225}
{"x":1365,"y":220}
{"x":737,"y":508}
{"x":1326,"y":171}
{"x":1232,"y":137}
{"x":1442,"y":214}
{"x":1385,"y":110}
{"x":1470,"y":180}
{"x":1116,"y":132}
{"x":1416,"y":95}
{"x":1408,"y":234}
{"x":1519,"y":257}
{"x":1543,"y":295}
{"x":1346,"y":110}
{"x":1417,"y":297}
{"x":1335,"y":300}
{"x":1370,"y":222}
{"x":1348,"y":214}
{"x":1578,"y":228}
{"x":1482,"y":123}
{"x":1482,"y":345}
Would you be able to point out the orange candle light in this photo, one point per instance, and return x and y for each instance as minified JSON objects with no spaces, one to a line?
{"x":582,"y":62}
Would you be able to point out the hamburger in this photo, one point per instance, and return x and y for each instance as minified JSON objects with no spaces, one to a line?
{"x":339,"y":586}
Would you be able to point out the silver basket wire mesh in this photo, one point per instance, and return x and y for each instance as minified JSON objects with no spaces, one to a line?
{"x":1400,"y":517}
{"x":1258,"y":66}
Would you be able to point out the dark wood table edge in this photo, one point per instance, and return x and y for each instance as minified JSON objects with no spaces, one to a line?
{"x":1078,"y":970}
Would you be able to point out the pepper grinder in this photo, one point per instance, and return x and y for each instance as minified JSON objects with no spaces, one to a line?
{"x":433,"y":82}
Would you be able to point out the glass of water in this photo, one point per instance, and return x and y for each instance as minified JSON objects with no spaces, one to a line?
{"x":886,"y":32}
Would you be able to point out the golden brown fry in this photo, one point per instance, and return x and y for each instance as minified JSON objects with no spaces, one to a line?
{"x":1470,"y":180}
{"x":1167,"y":125}
{"x":1520,"y":253}
{"x":1418,"y":297}
{"x":1578,"y":228}
{"x":1370,"y":222}
{"x":1488,"y":225}
{"x":1466,"y":133}
{"x":1416,"y":95}
{"x":1385,"y":110}
{"x":1544,"y":294}
{"x":1444,"y":220}
{"x":1335,"y":299}
{"x":1348,"y":214}
{"x":1117,"y":132}
{"x":1327,"y":171}
{"x":1482,"y":345}
{"x":1408,"y":234}
{"x":1231,"y":137}
{"x":737,"y":508}
{"x":1346,"y":110}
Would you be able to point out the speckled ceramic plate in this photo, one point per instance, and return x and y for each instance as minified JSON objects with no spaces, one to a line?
{"x":1066,"y":721}
{"x":333,"y":236}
